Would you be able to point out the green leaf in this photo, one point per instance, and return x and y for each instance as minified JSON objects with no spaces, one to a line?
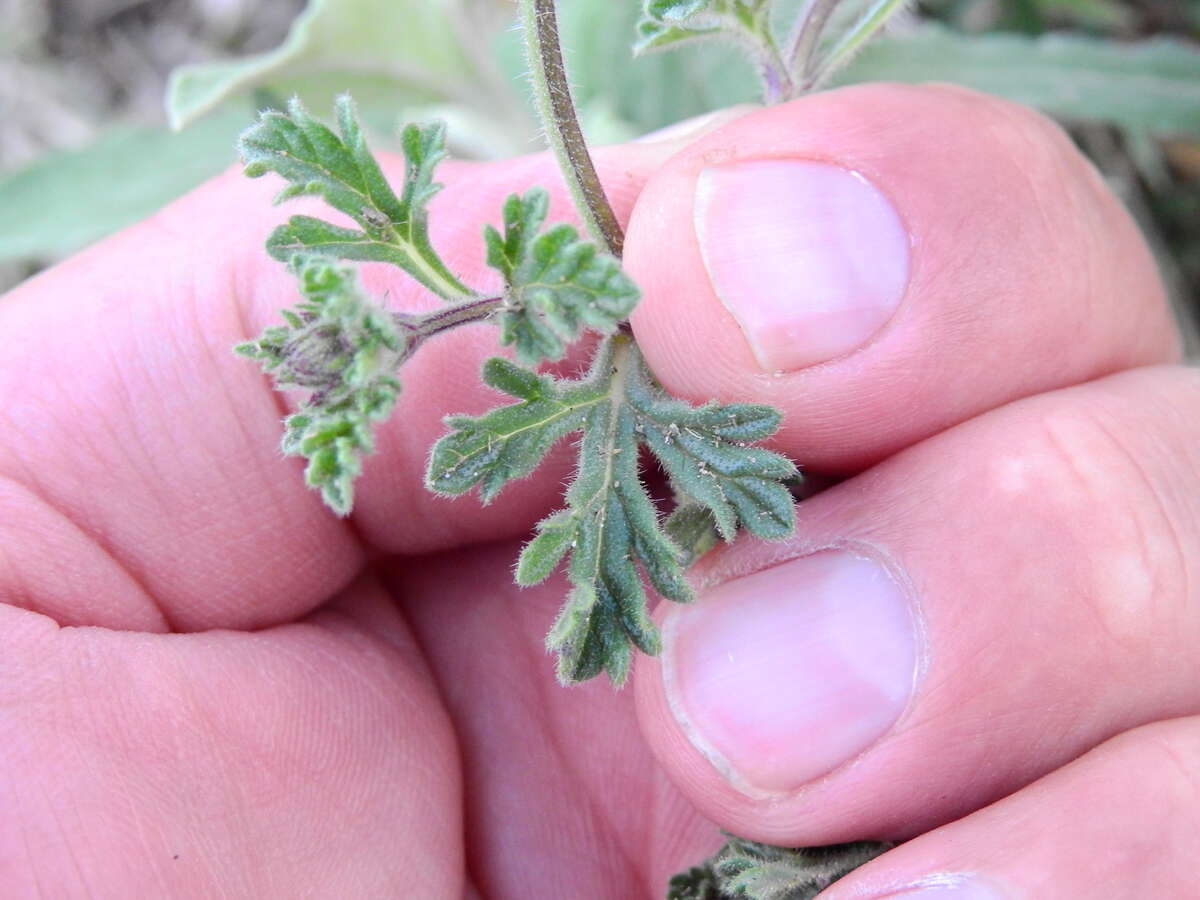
{"x":343,"y":349}
{"x":706,"y":451}
{"x":1152,"y":85}
{"x":509,"y":442}
{"x":610,"y":527}
{"x":748,"y":870}
{"x":667,"y":23}
{"x":68,"y":199}
{"x":406,"y":50}
{"x":654,"y":35}
{"x":556,"y":284}
{"x":693,"y":528}
{"x":314,"y":160}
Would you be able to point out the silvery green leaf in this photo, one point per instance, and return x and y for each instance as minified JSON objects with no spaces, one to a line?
{"x":748,"y":870}
{"x":556,"y":284}
{"x":339,"y":167}
{"x":610,"y":527}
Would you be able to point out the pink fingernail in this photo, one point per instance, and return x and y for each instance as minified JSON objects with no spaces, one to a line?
{"x":810,"y":258}
{"x":781,"y":676}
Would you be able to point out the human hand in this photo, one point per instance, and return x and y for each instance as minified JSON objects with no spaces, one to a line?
{"x":279,"y":703}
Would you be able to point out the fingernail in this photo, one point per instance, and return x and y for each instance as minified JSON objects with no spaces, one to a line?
{"x":781,"y":676}
{"x":810,"y":258}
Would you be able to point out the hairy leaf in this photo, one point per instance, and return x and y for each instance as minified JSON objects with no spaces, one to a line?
{"x":667,"y":23}
{"x":556,"y":284}
{"x":44,"y":217}
{"x":1151,"y":85}
{"x":343,"y":348}
{"x":610,"y":526}
{"x":747,"y":870}
{"x":403,"y":50}
{"x":340,"y":168}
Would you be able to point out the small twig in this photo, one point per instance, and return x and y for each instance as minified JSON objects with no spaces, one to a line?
{"x":421,"y":328}
{"x":552,"y":92}
{"x":806,"y":38}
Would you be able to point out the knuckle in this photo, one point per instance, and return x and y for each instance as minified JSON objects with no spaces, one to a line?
{"x":1029,"y":150}
{"x":1104,"y":502}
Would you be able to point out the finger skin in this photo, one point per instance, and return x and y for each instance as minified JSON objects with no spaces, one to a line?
{"x":310,"y":760}
{"x":1121,"y":822}
{"x":1025,"y":274}
{"x":551,"y":773}
{"x":139,"y":457}
{"x":1049,"y":553}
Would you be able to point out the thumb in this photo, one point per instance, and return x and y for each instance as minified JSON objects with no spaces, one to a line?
{"x":884,"y":261}
{"x":881,"y":263}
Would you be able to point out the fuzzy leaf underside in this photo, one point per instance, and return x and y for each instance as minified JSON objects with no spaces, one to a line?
{"x":747,"y":870}
{"x":669,"y":23}
{"x":610,"y":527}
{"x":343,"y":348}
{"x":557,"y":285}
{"x":341,"y":169}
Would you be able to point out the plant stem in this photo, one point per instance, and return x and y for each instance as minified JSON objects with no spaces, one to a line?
{"x":777,"y":81}
{"x":552,"y":94}
{"x":853,"y":40}
{"x":421,"y":328}
{"x":802,"y":50}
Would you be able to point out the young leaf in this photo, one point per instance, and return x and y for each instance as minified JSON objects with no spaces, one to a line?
{"x":344,"y":349}
{"x":509,"y":442}
{"x":341,"y":169}
{"x":610,"y":525}
{"x":747,"y":870}
{"x":556,"y":283}
{"x":705,"y":451}
{"x":667,"y":23}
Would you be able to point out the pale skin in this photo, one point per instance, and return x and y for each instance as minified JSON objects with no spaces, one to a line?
{"x":210,"y":686}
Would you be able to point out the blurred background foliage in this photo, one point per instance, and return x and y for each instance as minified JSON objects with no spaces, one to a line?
{"x":82,"y":84}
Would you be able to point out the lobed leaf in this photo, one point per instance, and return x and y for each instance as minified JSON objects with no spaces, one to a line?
{"x":341,"y":169}
{"x":610,"y":527}
{"x":748,"y":870}
{"x":668,"y":23}
{"x":705,"y":451}
{"x":557,"y":285}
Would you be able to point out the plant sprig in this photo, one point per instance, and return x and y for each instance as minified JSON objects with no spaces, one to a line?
{"x":610,"y":525}
{"x":345,"y":349}
{"x":788,"y":68}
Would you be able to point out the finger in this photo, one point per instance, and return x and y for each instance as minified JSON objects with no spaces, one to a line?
{"x":283,"y":763}
{"x":884,"y":261}
{"x":535,"y":755}
{"x":141,"y":481}
{"x":963,"y":618}
{"x":1120,"y":823}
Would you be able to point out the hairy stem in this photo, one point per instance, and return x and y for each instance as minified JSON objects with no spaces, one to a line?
{"x":552,"y":94}
{"x":853,"y":40}
{"x":452,"y":317}
{"x":421,"y":328}
{"x":802,"y":50}
{"x":777,"y":82}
